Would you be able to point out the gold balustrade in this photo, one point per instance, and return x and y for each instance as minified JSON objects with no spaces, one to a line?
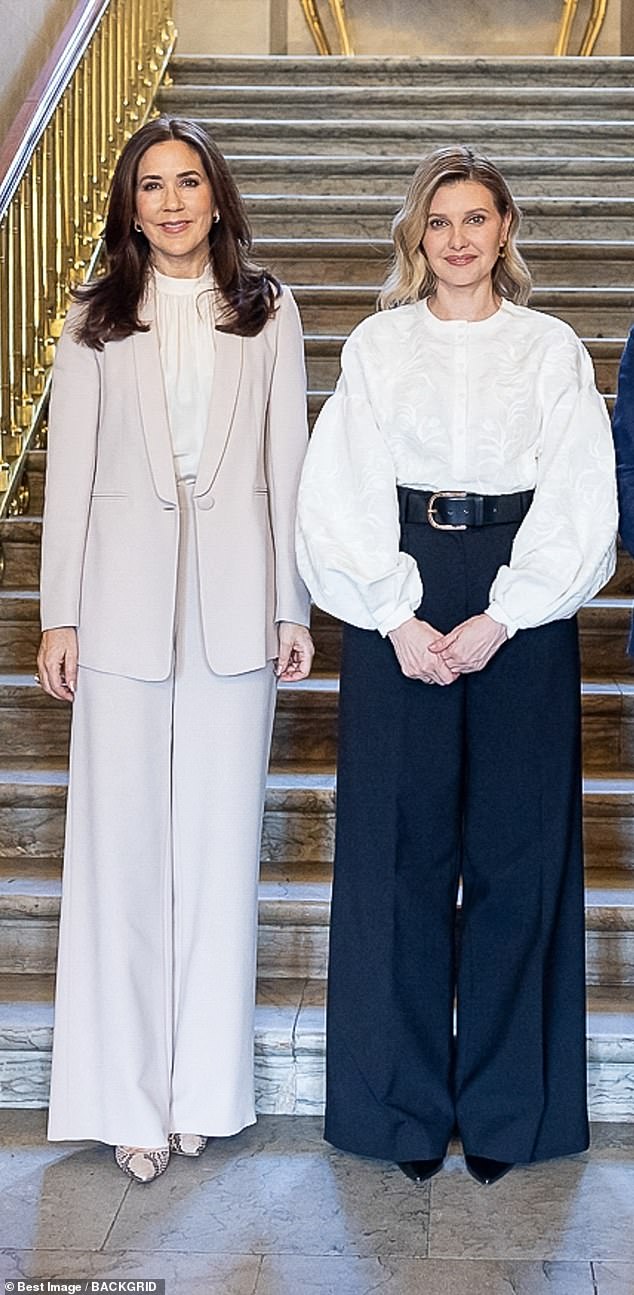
{"x":317,"y":30}
{"x":562,"y":45}
{"x":596,"y":19}
{"x":55,"y":171}
{"x":593,"y":27}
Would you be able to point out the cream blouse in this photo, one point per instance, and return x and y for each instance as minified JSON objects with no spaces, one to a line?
{"x":185,"y":324}
{"x":504,"y":404}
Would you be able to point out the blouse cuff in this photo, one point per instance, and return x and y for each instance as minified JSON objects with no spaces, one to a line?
{"x":399,"y":616}
{"x":497,"y":613}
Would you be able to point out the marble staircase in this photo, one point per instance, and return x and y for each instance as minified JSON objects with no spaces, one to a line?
{"x":323,"y":149}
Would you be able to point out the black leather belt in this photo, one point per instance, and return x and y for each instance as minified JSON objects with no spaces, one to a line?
{"x":456,"y":510}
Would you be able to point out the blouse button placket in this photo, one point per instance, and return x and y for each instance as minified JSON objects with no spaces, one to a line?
{"x":460,"y":403}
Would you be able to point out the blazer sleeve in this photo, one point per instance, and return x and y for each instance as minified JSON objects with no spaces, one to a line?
{"x":286,"y":441}
{"x":623,"y":431}
{"x":70,"y":467}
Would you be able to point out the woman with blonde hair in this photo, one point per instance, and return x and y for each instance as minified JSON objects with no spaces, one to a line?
{"x":457,"y":506}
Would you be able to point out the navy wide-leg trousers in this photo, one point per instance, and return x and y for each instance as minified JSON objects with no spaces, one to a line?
{"x":477,"y":1025}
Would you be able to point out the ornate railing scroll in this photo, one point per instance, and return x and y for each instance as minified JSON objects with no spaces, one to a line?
{"x":592,"y":31}
{"x":562,"y":45}
{"x":55,"y":170}
{"x":593,"y":26}
{"x":317,"y":30}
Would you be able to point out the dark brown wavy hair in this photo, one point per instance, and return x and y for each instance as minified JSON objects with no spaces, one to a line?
{"x":111,"y":301}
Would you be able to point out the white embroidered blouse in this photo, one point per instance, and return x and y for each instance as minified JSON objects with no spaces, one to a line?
{"x":500,"y":405}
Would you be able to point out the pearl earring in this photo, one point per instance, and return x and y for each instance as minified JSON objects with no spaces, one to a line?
{"x":216,"y":217}
{"x":138,"y":227}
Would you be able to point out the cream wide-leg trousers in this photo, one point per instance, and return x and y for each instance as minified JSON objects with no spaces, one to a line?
{"x":156,"y":971}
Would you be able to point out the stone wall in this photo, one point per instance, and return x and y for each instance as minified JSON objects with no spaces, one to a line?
{"x":234,"y":26}
{"x":31,"y":30}
{"x":424,"y":27}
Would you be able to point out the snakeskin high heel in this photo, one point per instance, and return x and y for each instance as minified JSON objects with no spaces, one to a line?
{"x":187,"y":1144}
{"x":144,"y":1164}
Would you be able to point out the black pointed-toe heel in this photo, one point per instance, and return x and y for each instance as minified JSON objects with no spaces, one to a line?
{"x":420,"y":1170}
{"x":487,"y":1171}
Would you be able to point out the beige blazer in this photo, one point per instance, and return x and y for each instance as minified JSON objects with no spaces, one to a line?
{"x":111,"y":520}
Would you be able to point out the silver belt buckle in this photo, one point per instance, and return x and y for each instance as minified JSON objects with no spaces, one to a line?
{"x":444,"y":494}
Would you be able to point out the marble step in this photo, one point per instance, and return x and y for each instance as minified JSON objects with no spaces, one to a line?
{"x":609,"y":927}
{"x":35,"y":470}
{"x":338,"y":307}
{"x":294,"y":915}
{"x":19,"y":629}
{"x":33,"y":724}
{"x":298,"y":812}
{"x":309,"y":215}
{"x":305,"y":727}
{"x":577,"y":263}
{"x":375,"y":135}
{"x":241,"y":69}
{"x":20,"y":537}
{"x":621,"y":584}
{"x":289,"y":1046}
{"x":318,"y":173}
{"x":19,"y":605}
{"x":298,"y":826}
{"x":604,"y":625}
{"x":323,"y":352}
{"x":401,"y":102}
{"x":26,"y":1032}
{"x":20,"y":546}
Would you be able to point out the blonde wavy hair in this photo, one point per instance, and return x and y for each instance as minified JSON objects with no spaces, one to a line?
{"x":410,"y":276}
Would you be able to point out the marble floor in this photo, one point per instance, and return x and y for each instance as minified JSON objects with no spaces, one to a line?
{"x":274,"y":1211}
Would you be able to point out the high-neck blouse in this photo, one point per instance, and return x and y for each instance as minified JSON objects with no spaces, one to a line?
{"x":185,"y":324}
{"x":501,"y":405}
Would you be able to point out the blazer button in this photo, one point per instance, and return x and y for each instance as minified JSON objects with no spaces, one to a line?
{"x":206,"y":501}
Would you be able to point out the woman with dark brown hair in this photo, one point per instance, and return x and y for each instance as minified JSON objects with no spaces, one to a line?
{"x":171,"y":602}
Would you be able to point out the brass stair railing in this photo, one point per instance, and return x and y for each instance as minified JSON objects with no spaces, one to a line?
{"x":55,"y":170}
{"x":592,"y":31}
{"x":317,"y":30}
{"x":562,"y":45}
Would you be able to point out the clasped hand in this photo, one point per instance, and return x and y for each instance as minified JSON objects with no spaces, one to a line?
{"x":425,"y":654}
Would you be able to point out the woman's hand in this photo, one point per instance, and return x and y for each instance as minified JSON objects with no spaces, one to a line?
{"x":295,"y":653}
{"x":470,"y":646}
{"x":411,"y":643}
{"x":57,"y":662}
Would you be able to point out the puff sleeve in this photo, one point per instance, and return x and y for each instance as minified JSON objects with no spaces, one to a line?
{"x":348,"y":532}
{"x":565,"y":549}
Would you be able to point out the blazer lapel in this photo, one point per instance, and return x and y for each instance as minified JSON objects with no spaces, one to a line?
{"x":224,"y":395}
{"x":154,"y":416}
